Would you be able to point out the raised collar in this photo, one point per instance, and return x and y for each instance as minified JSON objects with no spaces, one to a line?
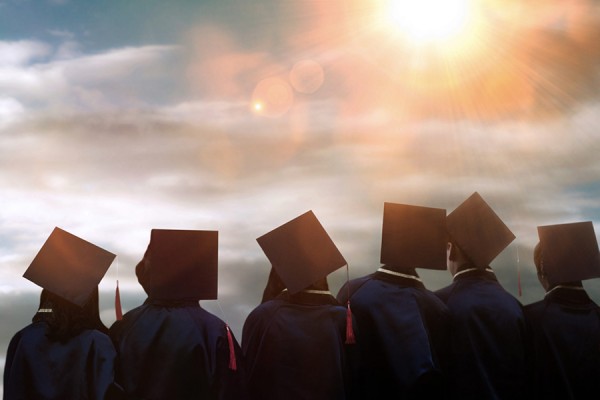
{"x":568,"y":294}
{"x":173,"y":303}
{"x":309,"y":297}
{"x":399,"y":278}
{"x":486,"y":273}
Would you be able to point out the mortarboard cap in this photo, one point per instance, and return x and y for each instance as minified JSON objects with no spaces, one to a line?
{"x":413,"y":236}
{"x":301,"y":252}
{"x":569,"y":252}
{"x":69,"y":266}
{"x":182,"y":264}
{"x":478,"y":231}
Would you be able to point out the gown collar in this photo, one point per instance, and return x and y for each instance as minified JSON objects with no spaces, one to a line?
{"x":568,"y":294}
{"x":173,"y":303}
{"x":566,"y":287}
{"x":399,"y":278}
{"x":309,"y":297}
{"x":487,"y":272}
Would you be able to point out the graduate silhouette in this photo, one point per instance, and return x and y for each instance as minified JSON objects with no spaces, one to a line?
{"x":294,"y":342}
{"x":65,"y":352}
{"x":404,"y":327}
{"x":488,"y":330}
{"x":565,"y":325}
{"x":170,"y":347}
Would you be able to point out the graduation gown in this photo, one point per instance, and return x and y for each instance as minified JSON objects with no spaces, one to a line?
{"x":39,"y":368}
{"x":294,"y":348}
{"x":175,"y":350}
{"x":565,"y":336}
{"x":403,"y":337}
{"x":487,"y":338}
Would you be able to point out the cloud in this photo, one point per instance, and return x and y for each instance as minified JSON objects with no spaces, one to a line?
{"x":180,"y":154}
{"x":10,"y":110}
{"x":218,"y":67}
{"x":112,"y":177}
{"x":22,"y":52}
{"x":40,"y":76}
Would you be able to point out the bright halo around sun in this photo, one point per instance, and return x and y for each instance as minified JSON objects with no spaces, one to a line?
{"x":428,"y":21}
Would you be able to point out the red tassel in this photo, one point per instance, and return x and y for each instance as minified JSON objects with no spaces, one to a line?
{"x":232,"y":361}
{"x":350,"y":339}
{"x":118,"y":310}
{"x":519,"y":282}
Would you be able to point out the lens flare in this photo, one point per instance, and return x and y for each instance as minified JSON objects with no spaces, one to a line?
{"x":307,"y":76}
{"x":272,"y":97}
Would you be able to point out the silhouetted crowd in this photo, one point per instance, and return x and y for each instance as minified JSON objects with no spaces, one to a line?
{"x":384,"y":335}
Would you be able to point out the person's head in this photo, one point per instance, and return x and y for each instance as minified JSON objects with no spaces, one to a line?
{"x":65,"y":319}
{"x":274,"y":286}
{"x":141,"y":271}
{"x":456,"y":259}
{"x":539,"y":266}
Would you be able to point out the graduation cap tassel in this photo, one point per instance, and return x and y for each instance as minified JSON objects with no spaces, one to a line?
{"x":519,"y":273}
{"x":232,"y":360}
{"x":118,"y":309}
{"x":350,"y":339}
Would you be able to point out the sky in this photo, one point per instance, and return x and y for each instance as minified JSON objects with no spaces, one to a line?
{"x":120,"y":117}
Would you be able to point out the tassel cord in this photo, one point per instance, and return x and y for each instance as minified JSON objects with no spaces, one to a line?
{"x":232,"y":360}
{"x":118,"y":308}
{"x":350,"y":338}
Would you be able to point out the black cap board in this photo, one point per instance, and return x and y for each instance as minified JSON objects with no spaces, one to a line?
{"x":182,"y":264}
{"x":69,"y":267}
{"x":478,"y":231}
{"x":413,"y":237}
{"x":301,"y":252}
{"x":569,"y":252}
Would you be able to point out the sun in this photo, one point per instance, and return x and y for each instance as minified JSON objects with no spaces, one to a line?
{"x":427,"y":21}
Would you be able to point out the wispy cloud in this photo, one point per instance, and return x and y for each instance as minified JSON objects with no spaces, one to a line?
{"x":43,"y":77}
